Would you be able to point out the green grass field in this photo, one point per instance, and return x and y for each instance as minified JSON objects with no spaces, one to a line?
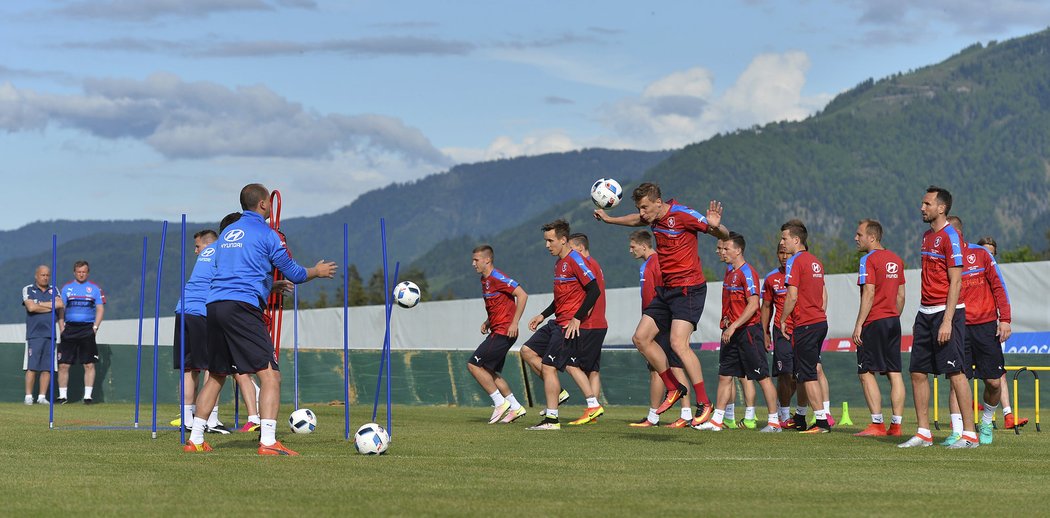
{"x":448,"y":461}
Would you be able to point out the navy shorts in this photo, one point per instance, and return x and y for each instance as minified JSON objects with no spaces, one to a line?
{"x":677,"y":303}
{"x":880,"y":351}
{"x":549,"y":343}
{"x":78,"y":344}
{"x":38,"y":355}
{"x":585,"y":351}
{"x":745,"y":355}
{"x":492,"y":352}
{"x":783,"y":355}
{"x":238,"y":342}
{"x":196,"y":346}
{"x":986,"y":350}
{"x":807,"y":341}
{"x":930,"y":357}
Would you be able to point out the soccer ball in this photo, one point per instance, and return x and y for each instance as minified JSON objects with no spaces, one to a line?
{"x":371,"y":439}
{"x":606,"y":193}
{"x":407,"y":294}
{"x":302,"y":421}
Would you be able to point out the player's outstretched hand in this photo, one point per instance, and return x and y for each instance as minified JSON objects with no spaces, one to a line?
{"x":601,"y":215}
{"x":714,"y":213}
{"x":325,"y":270}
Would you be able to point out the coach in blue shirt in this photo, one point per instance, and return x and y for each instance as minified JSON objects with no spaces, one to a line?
{"x":238,"y":342}
{"x":39,"y":298}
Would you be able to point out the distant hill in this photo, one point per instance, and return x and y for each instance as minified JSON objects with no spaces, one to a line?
{"x":977,"y":123}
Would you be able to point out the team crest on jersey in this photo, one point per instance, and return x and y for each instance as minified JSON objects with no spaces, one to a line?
{"x":564,"y":267}
{"x":670,"y":222}
{"x":486,"y":285}
{"x":972,"y":258}
{"x":937,"y":242}
{"x":891,"y":268}
{"x":816,"y":267}
{"x":89,"y":289}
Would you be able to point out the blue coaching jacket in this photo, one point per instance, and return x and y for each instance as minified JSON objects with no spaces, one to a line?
{"x":245,"y":256}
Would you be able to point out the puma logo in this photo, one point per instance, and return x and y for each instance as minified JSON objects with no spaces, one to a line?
{"x":950,"y":362}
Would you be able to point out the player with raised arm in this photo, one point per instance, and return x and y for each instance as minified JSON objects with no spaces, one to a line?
{"x":773,"y":293}
{"x":592,"y":334}
{"x":679,"y":302}
{"x":504,"y":303}
{"x":939,"y":333}
{"x":877,"y":333}
{"x":576,"y":291}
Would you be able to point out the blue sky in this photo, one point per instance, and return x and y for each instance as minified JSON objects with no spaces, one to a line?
{"x":122,"y":109}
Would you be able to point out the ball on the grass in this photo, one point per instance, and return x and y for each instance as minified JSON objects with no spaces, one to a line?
{"x":302,"y":421}
{"x":407,"y":294}
{"x":371,"y":439}
{"x":606,"y":193}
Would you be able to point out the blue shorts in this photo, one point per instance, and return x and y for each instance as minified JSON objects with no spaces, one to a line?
{"x":677,"y":303}
{"x":38,"y":355}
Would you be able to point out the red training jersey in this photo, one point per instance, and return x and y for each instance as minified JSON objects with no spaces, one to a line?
{"x":596,"y":320}
{"x":739,"y":285}
{"x":498,"y":290}
{"x":805,"y":272}
{"x":941,"y":249}
{"x":983,"y":289}
{"x":571,"y":274}
{"x":649,"y":277}
{"x":773,"y":288}
{"x":676,"y":244}
{"x":884,"y":270}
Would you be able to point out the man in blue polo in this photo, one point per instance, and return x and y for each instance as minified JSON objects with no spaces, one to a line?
{"x":38,"y":298}
{"x":78,"y":322}
{"x":238,"y":342}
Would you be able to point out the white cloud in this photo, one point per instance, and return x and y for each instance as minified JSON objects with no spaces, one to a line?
{"x":907,"y":21}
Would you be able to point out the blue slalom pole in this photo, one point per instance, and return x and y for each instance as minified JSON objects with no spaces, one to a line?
{"x":54,"y":321}
{"x":387,"y":306}
{"x":389,"y":364}
{"x":182,"y":333}
{"x":346,"y":331}
{"x":156,"y":322}
{"x":138,"y":353}
{"x":295,"y":342}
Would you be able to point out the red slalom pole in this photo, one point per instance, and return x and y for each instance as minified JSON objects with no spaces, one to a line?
{"x":275,"y":302}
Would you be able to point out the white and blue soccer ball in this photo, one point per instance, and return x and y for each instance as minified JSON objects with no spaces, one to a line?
{"x":302,"y":421}
{"x":371,"y":439}
{"x":606,"y":193}
{"x":407,"y":294}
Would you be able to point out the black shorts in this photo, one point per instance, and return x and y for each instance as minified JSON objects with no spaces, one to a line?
{"x":492,"y":352}
{"x":745,"y":355}
{"x":783,"y":355}
{"x":807,"y":341}
{"x":238,"y":342}
{"x":585,"y":351}
{"x":549,"y":343}
{"x":196,"y":345}
{"x":880,"y":351}
{"x":78,"y":344}
{"x":985,"y":350}
{"x":677,"y":303}
{"x":663,"y":339}
{"x":930,"y":357}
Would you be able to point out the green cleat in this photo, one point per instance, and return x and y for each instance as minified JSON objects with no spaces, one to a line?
{"x":952,"y":439}
{"x":749,"y":424}
{"x":984,"y":432}
{"x":731,"y":424}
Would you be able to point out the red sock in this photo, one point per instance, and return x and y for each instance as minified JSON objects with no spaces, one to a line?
{"x":669,"y":380}
{"x":699,"y":394}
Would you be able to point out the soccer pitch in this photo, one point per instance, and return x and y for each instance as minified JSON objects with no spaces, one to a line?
{"x":449,"y":461}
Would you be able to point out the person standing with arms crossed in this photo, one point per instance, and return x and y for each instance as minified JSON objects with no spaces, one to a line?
{"x":39,"y":298}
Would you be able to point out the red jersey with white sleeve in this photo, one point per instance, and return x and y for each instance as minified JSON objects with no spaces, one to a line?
{"x":498,"y":290}
{"x":941,"y":249}
{"x":676,"y":244}
{"x":571,"y":274}
{"x":773,"y":288}
{"x":739,"y":285}
{"x":983,"y":289}
{"x":649,"y":277}
{"x":596,"y":320}
{"x":884,"y":270}
{"x":805,"y":272}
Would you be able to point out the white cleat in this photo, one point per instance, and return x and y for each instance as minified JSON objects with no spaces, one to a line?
{"x":709,"y":426}
{"x":771,"y":429}
{"x":513,"y":415}
{"x":29,"y":400}
{"x":916,"y":442}
{"x":963,"y":444}
{"x":498,"y":412}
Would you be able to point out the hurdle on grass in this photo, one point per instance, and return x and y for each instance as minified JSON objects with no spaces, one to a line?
{"x":1019,"y":370}
{"x":138,"y":349}
{"x":156,"y":323}
{"x":54,"y":322}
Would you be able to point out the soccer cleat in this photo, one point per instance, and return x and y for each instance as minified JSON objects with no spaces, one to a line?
{"x":731,"y":424}
{"x":29,"y":400}
{"x":951,"y":439}
{"x":589,"y":416}
{"x":218,"y":428}
{"x":513,"y":415}
{"x":769,"y":428}
{"x":563,"y":396}
{"x":643,"y":423}
{"x":671,"y":398}
{"x":703,"y":414}
{"x":60,"y":401}
{"x":962,"y":444}
{"x":797,"y":423}
{"x":894,"y":430}
{"x":41,"y":400}
{"x":176,"y":422}
{"x":548,"y":423}
{"x":498,"y":412}
{"x":750,"y":424}
{"x":917,"y":441}
{"x":984,"y":433}
{"x":1009,"y":421}
{"x":788,"y":424}
{"x":88,"y":401}
{"x":679,"y":423}
{"x":817,"y":428}
{"x":249,"y":427}
{"x":190,"y":447}
{"x":275,"y":449}
{"x":709,"y":426}
{"x":873,"y":430}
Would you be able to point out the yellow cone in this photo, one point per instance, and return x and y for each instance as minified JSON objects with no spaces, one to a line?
{"x":845,"y":415}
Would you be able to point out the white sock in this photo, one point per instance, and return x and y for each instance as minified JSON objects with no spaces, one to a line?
{"x":820,"y":413}
{"x":827,"y":407}
{"x":254,"y":419}
{"x":87,"y":392}
{"x":269,"y":432}
{"x":924,"y":433}
{"x":593,"y":402}
{"x":718,"y":417}
{"x":730,"y":412}
{"x":802,"y":410}
{"x":514,"y":405}
{"x":785,"y":413}
{"x":687,"y":413}
{"x":497,"y":398}
{"x":957,"y":424}
{"x":1006,"y":409}
{"x":553,"y":414}
{"x":213,"y":419}
{"x":62,"y":392}
{"x":187,"y":414}
{"x":197,"y":435}
{"x":653,"y":417}
{"x":876,"y":418}
{"x":989,"y":413}
{"x":773,"y":419}
{"x":896,"y":419}
{"x":749,"y":412}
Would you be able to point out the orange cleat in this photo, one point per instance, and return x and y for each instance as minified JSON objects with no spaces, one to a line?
{"x":680,"y":423}
{"x":1009,"y":423}
{"x":894,"y":430}
{"x":702,"y":414}
{"x":672,"y":397}
{"x":190,"y":447}
{"x":874,"y":430}
{"x":275,"y":449}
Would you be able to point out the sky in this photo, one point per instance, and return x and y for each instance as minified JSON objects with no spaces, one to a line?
{"x":132,"y":109}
